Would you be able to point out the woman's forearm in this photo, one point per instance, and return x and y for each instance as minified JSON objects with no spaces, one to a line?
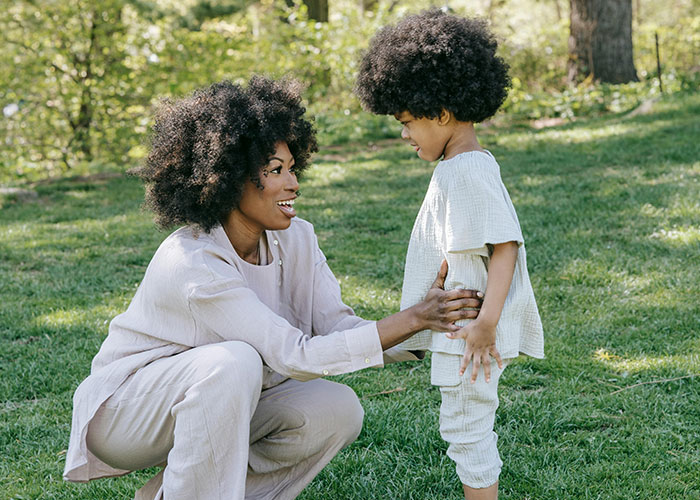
{"x":500,"y":276}
{"x":398,"y":327}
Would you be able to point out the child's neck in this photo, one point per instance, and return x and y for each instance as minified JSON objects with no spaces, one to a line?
{"x":462,"y":140}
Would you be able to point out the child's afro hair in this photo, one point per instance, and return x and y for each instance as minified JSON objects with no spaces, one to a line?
{"x":432,"y":61}
{"x":204,"y":148}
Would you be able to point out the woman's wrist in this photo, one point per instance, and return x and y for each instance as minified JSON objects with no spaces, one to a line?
{"x":416,"y":319}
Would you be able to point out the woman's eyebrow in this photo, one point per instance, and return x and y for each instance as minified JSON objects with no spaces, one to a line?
{"x":280,"y":159}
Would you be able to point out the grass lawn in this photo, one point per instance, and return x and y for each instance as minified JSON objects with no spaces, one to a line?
{"x":610,"y":209}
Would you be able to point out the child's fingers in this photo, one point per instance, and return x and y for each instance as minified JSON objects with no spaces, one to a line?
{"x":497,"y":356}
{"x":487,"y":369}
{"x":465,"y":361}
{"x":476,"y":362}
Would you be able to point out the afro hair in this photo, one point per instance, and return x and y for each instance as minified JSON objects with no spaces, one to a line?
{"x":432,"y":61}
{"x":204,"y":148}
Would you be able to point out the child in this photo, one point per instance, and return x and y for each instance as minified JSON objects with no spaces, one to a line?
{"x":439,"y":74}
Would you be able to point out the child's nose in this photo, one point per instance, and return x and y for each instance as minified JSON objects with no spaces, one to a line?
{"x":404,"y":133}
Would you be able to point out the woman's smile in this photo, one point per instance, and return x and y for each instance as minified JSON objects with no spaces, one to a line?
{"x":287,"y":207}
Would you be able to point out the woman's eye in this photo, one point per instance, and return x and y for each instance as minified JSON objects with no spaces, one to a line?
{"x":276,"y":170}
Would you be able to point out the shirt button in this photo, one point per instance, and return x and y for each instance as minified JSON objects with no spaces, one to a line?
{"x":367,"y":360}
{"x":280,"y":262}
{"x":275,"y":242}
{"x":325,"y":372}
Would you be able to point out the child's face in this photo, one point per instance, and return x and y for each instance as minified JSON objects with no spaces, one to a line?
{"x":426,"y":135}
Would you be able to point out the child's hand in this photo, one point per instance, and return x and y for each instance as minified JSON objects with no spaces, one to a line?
{"x":481,"y":345}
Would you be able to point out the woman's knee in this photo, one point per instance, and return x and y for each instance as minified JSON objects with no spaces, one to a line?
{"x":232,"y":366}
{"x":348,"y":413}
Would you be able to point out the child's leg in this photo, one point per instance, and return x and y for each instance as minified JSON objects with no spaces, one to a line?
{"x":490,"y":493}
{"x":467,"y":416}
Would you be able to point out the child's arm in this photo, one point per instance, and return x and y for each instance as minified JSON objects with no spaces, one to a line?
{"x":480,"y":334}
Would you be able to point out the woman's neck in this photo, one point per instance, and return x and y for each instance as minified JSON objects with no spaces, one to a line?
{"x":462,"y":140}
{"x":244,"y":238}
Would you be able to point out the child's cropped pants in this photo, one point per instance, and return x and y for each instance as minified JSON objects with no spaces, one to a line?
{"x":467,"y":415}
{"x":205,"y":414}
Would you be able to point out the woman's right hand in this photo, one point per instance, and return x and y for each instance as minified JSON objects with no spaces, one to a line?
{"x":441,"y":308}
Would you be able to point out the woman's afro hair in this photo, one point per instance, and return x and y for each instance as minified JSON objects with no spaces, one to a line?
{"x":204,"y":147}
{"x":432,"y":61}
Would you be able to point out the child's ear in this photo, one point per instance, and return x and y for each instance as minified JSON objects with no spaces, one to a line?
{"x":445,"y":117}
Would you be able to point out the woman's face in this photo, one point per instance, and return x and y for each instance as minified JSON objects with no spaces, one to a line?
{"x":272,"y":208}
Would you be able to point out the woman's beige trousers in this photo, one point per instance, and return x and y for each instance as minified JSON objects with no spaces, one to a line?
{"x":204,"y":416}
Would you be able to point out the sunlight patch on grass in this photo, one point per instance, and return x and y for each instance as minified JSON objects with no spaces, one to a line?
{"x":99,"y":316}
{"x":682,"y":236}
{"x":364,"y":293}
{"x":689,"y":363}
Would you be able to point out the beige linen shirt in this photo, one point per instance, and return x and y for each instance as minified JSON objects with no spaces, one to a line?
{"x":467,"y":209}
{"x":197,"y":291}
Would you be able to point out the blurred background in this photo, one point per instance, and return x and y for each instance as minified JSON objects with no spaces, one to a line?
{"x":79,"y":78}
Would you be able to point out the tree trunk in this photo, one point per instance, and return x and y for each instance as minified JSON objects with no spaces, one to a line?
{"x":368,"y":5}
{"x":600,"y":41}
{"x":318,"y":10}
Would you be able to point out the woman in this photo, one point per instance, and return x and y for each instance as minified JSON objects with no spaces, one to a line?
{"x":213,"y":370}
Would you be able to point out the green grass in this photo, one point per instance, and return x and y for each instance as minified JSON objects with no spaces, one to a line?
{"x":610,"y":209}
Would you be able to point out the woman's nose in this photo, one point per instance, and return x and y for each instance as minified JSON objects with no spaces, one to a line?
{"x":292,"y":182}
{"x":404,"y":134}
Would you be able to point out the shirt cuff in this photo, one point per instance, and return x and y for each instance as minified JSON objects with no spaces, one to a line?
{"x":364,"y":347}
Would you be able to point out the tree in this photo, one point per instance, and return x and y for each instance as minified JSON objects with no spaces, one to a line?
{"x":600,"y":41}
{"x":71,"y":66}
{"x":318,"y":10}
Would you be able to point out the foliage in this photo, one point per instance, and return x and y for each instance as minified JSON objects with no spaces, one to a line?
{"x":609,"y":209}
{"x":85,"y":74}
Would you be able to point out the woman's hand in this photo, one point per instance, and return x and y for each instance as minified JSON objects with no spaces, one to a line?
{"x":480,"y":340}
{"x":440,"y":309}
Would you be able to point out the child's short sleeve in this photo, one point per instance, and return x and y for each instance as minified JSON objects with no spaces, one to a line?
{"x":478,"y":210}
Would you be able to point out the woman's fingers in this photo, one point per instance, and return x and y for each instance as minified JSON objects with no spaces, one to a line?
{"x":460,"y":314}
{"x":441,"y":275}
{"x":463,"y":293}
{"x":454,"y":304}
{"x":447,"y":326}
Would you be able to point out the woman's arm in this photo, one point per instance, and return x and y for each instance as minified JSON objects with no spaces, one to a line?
{"x":480,"y":334}
{"x":228,"y":310}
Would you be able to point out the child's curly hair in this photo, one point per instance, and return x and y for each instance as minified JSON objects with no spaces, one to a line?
{"x":204,"y":147}
{"x":433,"y":61}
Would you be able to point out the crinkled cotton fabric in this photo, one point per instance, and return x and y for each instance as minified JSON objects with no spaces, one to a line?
{"x":466,"y":211}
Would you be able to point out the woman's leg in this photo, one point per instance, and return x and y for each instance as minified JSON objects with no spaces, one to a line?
{"x":193,"y":410}
{"x":297,"y":429}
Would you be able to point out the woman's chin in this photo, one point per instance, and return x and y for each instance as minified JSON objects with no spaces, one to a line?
{"x":280,"y":226}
